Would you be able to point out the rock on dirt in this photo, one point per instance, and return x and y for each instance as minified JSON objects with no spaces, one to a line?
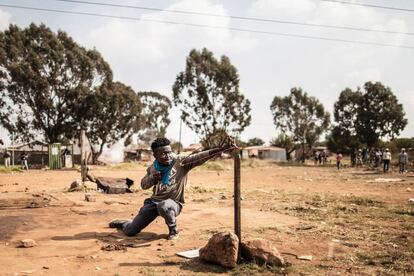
{"x":90,"y":198}
{"x":26,"y":243}
{"x":76,"y":186}
{"x":261,"y":251}
{"x":222,"y":249}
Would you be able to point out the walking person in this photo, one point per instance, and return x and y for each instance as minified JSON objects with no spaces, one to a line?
{"x":6,"y":158}
{"x":338,"y":160}
{"x":23,"y":161}
{"x":403,"y":160}
{"x":386,"y":158}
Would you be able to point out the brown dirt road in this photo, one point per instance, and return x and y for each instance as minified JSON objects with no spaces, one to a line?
{"x":71,"y":234}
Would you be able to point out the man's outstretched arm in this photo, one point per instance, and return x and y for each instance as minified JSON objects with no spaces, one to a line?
{"x":200,"y":158}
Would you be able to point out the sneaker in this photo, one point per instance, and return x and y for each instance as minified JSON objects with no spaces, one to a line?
{"x":173,"y":235}
{"x":117,"y":223}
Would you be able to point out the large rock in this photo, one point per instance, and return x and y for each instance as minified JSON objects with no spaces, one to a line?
{"x":222,"y":249}
{"x":261,"y":251}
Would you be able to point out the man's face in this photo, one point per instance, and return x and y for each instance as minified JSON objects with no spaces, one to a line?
{"x":163,"y":155}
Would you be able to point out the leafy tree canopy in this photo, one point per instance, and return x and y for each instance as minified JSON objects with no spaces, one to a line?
{"x":256,"y":141}
{"x":155,"y":113}
{"x":43,"y":78}
{"x":114,"y":112}
{"x":301,"y":117}
{"x":369,"y":114}
{"x":208,"y":95}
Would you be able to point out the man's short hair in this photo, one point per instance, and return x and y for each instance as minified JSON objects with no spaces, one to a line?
{"x":160,"y":142}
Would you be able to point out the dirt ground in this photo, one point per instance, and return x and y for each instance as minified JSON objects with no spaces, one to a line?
{"x":352,"y":222}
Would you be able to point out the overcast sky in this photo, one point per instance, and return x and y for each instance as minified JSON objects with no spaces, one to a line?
{"x":147,"y":55}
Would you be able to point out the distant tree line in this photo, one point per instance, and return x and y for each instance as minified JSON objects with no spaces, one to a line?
{"x":362,"y":118}
{"x":51,"y":87}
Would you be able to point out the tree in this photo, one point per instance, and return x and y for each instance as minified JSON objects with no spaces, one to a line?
{"x":208,"y":95}
{"x":301,"y":117}
{"x":369,"y":114}
{"x":43,"y":78}
{"x":256,"y":141}
{"x":155,"y":112}
{"x":286,"y":142}
{"x":113,"y":113}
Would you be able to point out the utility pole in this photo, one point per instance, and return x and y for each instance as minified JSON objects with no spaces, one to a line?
{"x":83,"y":158}
{"x":12,"y":149}
{"x":179,"y":137}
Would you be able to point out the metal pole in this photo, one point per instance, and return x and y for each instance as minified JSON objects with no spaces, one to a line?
{"x":83,"y":165}
{"x":13,"y":149}
{"x":237,"y":196}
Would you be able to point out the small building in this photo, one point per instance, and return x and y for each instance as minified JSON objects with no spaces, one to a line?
{"x":137,"y":153}
{"x":37,"y":153}
{"x":264,"y":152}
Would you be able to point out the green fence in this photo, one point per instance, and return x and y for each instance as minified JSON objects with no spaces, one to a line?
{"x":55,"y":160}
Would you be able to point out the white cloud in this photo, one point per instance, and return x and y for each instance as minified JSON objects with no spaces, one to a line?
{"x":4,"y":20}
{"x":285,"y":8}
{"x":370,"y":74}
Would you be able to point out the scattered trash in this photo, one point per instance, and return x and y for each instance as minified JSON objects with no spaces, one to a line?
{"x":191,"y":254}
{"x":385,"y":180}
{"x":305,"y":258}
{"x":25,"y":272}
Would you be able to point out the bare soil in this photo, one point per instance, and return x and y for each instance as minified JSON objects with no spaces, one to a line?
{"x":347,"y":222}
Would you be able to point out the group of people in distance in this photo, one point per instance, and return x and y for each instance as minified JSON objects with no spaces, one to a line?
{"x":375,"y":158}
{"x":23,"y":159}
{"x":320,"y":157}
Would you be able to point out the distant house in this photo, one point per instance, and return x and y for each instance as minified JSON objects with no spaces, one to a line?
{"x":264,"y":152}
{"x":137,"y":153}
{"x":37,"y":152}
{"x":192,"y":147}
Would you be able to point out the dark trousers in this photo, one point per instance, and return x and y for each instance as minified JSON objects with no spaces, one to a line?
{"x":386,"y":165}
{"x":168,"y":209}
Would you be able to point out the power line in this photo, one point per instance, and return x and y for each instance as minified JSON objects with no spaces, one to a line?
{"x":238,"y":17}
{"x":211,"y":27}
{"x":368,"y":5}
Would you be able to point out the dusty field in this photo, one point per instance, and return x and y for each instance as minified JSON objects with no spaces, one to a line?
{"x":348,"y":225}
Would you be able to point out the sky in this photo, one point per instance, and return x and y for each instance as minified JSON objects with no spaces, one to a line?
{"x":148,"y":55}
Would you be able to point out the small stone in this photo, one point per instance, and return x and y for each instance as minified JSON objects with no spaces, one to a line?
{"x":223,"y":197}
{"x":90,"y":198}
{"x":76,"y":186}
{"x":408,"y":189}
{"x":45,"y":267}
{"x":97,"y":268}
{"x":411,"y":200}
{"x":26,"y":243}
